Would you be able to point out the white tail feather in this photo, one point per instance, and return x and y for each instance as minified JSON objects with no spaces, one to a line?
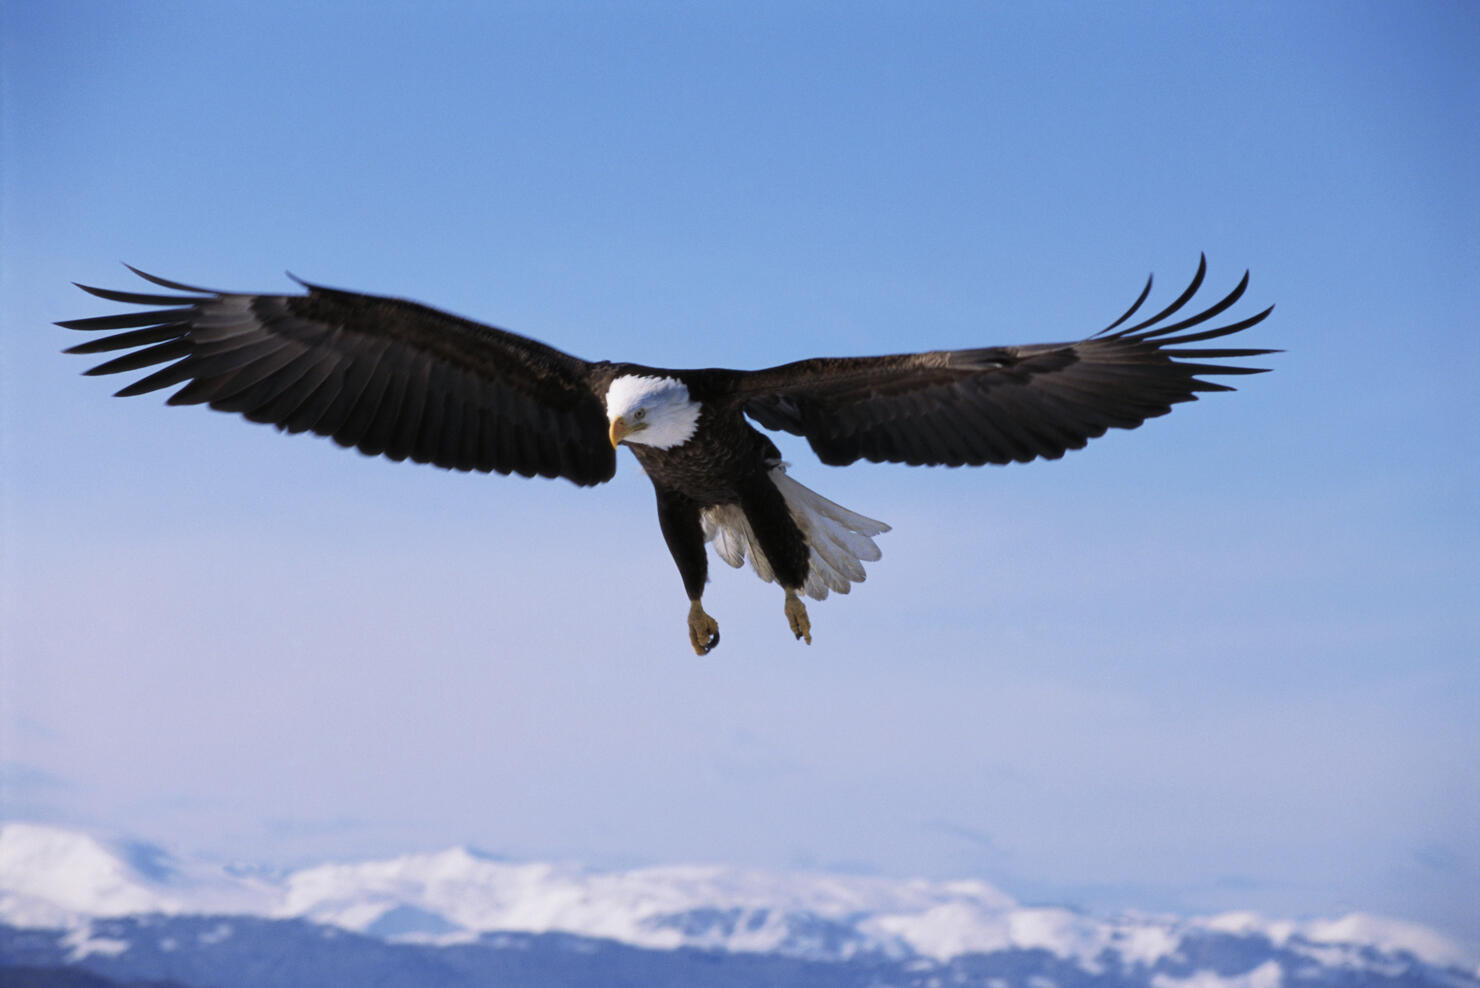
{"x":839,"y":540}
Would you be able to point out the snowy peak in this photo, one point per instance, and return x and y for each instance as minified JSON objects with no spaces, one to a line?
{"x":662,"y":908}
{"x":73,"y":872}
{"x":59,"y":879}
{"x":1355,"y":930}
{"x":51,"y":877}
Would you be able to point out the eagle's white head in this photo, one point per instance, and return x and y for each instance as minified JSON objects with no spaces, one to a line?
{"x":652,"y":411}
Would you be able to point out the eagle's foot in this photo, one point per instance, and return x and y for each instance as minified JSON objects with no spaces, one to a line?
{"x":703,"y":629}
{"x":796,"y":616}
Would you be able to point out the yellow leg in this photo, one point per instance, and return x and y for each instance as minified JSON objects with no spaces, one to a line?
{"x":796,"y":616}
{"x":703,"y":629}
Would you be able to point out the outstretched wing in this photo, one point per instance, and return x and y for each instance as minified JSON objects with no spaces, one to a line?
{"x":385,"y":376}
{"x":997,"y":404}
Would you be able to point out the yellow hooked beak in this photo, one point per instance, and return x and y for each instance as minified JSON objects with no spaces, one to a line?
{"x":621,"y":430}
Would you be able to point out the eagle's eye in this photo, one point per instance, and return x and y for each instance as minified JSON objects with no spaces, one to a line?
{"x":640,"y":414}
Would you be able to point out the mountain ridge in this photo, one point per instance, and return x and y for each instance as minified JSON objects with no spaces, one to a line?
{"x":77,"y":884}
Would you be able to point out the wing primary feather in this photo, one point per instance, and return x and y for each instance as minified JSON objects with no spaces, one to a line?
{"x":346,"y":419}
{"x":302,"y":411}
{"x":284,"y":410}
{"x":163,"y":378}
{"x":449,"y":443}
{"x":382,"y":428}
{"x":137,"y":337}
{"x":1177,"y":303}
{"x":218,"y":362}
{"x":548,"y":441}
{"x":1217,"y":308}
{"x":174,"y":285}
{"x":224,"y":391}
{"x":472,"y":429}
{"x":305,"y":418}
{"x":1212,"y":334}
{"x":127,"y":320}
{"x":1135,"y":307}
{"x":147,"y":357}
{"x":1224,"y":353}
{"x":1195,"y":369}
{"x":501,"y":441}
{"x":413,"y":406}
{"x":487,"y":451}
{"x":137,"y":298}
{"x":529,"y":451}
{"x":365,"y":405}
{"x":429,"y":440}
{"x":250,"y":399}
{"x":934,"y":442}
{"x":961,"y":433}
{"x":1016,"y":417}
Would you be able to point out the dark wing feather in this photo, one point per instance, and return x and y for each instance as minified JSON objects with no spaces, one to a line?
{"x":997,"y":404}
{"x":386,"y":376}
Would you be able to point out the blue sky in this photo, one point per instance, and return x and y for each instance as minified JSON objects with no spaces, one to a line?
{"x":1223,"y":661}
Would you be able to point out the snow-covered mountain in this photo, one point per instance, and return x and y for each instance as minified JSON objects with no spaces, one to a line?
{"x":71,"y":898}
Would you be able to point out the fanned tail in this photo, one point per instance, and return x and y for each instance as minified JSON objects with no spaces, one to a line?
{"x":839,"y":541}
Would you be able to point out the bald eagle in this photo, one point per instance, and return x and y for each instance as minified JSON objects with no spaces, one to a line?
{"x":397,"y":379}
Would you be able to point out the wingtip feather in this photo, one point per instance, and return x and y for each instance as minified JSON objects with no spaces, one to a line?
{"x":165,"y":283}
